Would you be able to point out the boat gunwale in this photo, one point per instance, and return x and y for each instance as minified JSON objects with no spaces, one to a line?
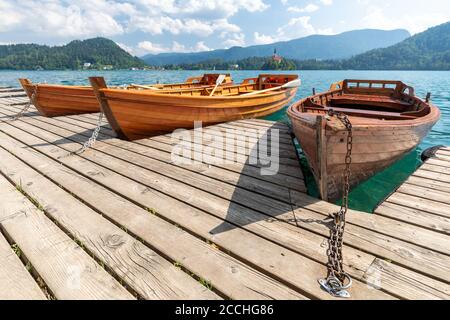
{"x":186,"y":97}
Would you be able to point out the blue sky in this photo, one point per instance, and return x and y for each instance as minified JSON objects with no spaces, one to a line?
{"x":155,"y":26}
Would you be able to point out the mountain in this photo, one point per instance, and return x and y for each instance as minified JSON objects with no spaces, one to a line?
{"x":99,"y":52}
{"x":429,"y":50}
{"x":344,"y":45}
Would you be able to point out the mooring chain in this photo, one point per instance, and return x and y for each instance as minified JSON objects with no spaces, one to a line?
{"x":338,"y":281}
{"x":26,"y":108}
{"x":88,"y":144}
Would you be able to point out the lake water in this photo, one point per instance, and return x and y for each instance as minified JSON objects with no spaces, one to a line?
{"x":368,"y":194}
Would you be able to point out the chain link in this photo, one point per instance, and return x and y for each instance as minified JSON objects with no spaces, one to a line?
{"x":338,"y":281}
{"x":26,"y":108}
{"x":88,"y":144}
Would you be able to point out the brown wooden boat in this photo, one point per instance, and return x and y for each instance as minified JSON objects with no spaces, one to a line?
{"x":388,"y":122}
{"x":61,"y":100}
{"x":135,"y":114}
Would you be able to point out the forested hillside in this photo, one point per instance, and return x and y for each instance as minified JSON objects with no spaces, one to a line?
{"x":99,"y":52}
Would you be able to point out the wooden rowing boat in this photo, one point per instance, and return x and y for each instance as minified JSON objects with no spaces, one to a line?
{"x":60,"y":100}
{"x":388,"y":122}
{"x":135,"y":114}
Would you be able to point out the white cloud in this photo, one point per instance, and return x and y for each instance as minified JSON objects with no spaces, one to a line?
{"x":126,"y":48}
{"x":295,"y":28}
{"x":262,"y":38}
{"x":309,"y":8}
{"x":327,"y":2}
{"x":146,"y":47}
{"x":201,"y":46}
{"x":150,"y":47}
{"x":236,"y":40}
{"x":83,"y":18}
{"x":380,"y":17}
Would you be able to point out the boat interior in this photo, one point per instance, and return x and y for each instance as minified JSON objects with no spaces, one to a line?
{"x":388,"y":100}
{"x":261,"y":82}
{"x":206,"y":80}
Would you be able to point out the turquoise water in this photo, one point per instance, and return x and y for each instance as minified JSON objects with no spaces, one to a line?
{"x":368,"y":194}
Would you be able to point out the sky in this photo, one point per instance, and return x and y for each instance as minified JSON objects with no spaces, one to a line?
{"x":156,"y":26}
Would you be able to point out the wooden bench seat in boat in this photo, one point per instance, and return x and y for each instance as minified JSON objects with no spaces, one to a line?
{"x":369,"y":100}
{"x":367,"y":113}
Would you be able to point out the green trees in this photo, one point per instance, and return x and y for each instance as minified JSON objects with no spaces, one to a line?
{"x":429,"y":50}
{"x":251,"y":63}
{"x":99,"y":52}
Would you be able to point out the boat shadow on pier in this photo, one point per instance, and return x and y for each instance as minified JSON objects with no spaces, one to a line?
{"x":262,"y":196}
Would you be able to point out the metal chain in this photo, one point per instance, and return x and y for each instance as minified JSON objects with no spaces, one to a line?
{"x":88,"y":144}
{"x":26,"y":108}
{"x":338,"y":281}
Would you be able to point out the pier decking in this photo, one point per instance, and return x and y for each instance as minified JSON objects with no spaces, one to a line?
{"x":123,"y":221}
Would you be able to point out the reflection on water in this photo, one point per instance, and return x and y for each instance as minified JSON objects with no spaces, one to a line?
{"x":368,"y":194}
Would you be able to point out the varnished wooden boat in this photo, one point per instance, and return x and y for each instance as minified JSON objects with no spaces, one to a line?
{"x":135,"y":114}
{"x":388,"y":122}
{"x":61,"y":100}
{"x":58,"y":100}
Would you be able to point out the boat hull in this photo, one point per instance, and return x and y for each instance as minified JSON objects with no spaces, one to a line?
{"x":55,"y":101}
{"x":374,"y":149}
{"x":138,"y":115}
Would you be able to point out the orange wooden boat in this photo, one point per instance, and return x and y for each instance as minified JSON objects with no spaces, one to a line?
{"x":388,"y":122}
{"x":60,"y":100}
{"x":136,"y":114}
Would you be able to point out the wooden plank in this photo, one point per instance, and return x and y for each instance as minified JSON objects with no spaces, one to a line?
{"x":228,"y":275}
{"x":320,"y":240}
{"x":242,"y":167}
{"x":144,"y":270}
{"x":443,"y":156}
{"x":16,"y":283}
{"x":414,"y":216}
{"x":387,"y":241}
{"x":249,"y":136}
{"x":272,"y":258}
{"x":438,"y":169}
{"x":419,"y":203}
{"x":243,"y":144}
{"x":68,"y":271}
{"x":425,"y":193}
{"x":431,"y":184}
{"x":253,"y":171}
{"x":432,"y":175}
{"x":381,"y":227}
{"x":163,"y":153}
{"x":438,"y":162}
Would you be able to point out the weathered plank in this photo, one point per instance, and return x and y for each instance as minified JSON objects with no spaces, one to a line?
{"x":68,"y":271}
{"x":266,"y":259}
{"x":427,"y":205}
{"x":192,"y":253}
{"x":144,"y":270}
{"x":431,"y":184}
{"x":425,"y":193}
{"x":243,"y":168}
{"x":432,"y":175}
{"x":410,"y":287}
{"x":16,"y":283}
{"x":414,"y":216}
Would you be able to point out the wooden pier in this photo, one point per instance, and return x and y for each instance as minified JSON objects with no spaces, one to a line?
{"x":123,"y":221}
